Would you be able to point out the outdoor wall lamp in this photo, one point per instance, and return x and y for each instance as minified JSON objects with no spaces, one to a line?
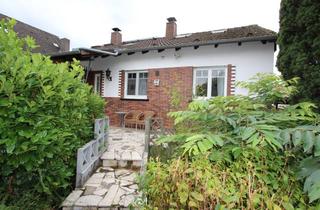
{"x":108,"y":74}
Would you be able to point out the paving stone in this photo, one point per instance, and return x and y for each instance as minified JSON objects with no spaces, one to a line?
{"x":117,"y":155}
{"x":100,"y":191}
{"x":126,"y":155}
{"x":136,"y":163}
{"x":72,"y":197}
{"x":127,"y":190}
{"x":122,"y":171}
{"x":122,"y":163}
{"x":109,"y":155}
{"x":96,"y":178}
{"x":130,"y":177}
{"x":88,"y":200}
{"x":127,"y":200}
{"x":107,"y":169}
{"x":110,"y":163}
{"x":136,"y":156}
{"x":117,"y":197}
{"x":109,"y":197}
{"x":124,"y":183}
{"x":90,"y":188}
{"x":85,"y":208}
{"x":108,"y":182}
{"x":110,"y":175}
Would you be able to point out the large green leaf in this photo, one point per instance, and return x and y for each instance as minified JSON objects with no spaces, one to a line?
{"x":308,"y":141}
{"x":317,"y":146}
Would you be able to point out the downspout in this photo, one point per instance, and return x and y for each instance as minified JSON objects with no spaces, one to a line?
{"x":88,"y":68}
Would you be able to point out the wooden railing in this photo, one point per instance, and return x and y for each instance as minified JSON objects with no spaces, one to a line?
{"x":88,"y":156}
{"x":154,"y":128}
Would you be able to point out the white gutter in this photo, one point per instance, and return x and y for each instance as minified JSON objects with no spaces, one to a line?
{"x":96,"y":51}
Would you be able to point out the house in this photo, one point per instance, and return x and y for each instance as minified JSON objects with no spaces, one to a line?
{"x":145,"y":74}
{"x":48,"y":43}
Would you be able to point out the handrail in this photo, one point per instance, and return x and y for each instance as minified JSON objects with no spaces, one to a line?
{"x":88,"y":156}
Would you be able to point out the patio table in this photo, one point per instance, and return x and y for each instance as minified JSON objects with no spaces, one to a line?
{"x":121,"y":116}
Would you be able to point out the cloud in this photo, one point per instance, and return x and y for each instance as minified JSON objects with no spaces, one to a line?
{"x":89,"y":23}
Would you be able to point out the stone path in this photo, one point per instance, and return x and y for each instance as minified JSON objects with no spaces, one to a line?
{"x":113,"y":185}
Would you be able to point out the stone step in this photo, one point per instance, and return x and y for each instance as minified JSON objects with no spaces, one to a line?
{"x":124,"y":159}
{"x":134,"y":164}
{"x":107,"y":188}
{"x":122,"y":155}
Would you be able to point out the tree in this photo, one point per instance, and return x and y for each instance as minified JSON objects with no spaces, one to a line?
{"x":299,"y":41}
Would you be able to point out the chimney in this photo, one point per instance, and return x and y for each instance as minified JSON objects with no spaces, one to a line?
{"x":116,"y":37}
{"x":64,"y":45}
{"x":171,"y":29}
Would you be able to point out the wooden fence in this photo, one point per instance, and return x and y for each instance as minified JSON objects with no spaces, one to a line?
{"x":88,"y":156}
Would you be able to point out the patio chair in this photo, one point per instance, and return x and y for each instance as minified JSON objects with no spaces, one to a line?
{"x":145,"y":115}
{"x":131,"y":118}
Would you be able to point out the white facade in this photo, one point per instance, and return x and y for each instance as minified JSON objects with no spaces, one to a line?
{"x":249,"y":58}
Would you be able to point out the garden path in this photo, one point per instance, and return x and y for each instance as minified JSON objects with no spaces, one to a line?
{"x":113,"y":185}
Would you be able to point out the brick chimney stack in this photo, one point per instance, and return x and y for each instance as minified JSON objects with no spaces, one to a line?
{"x":116,"y":37}
{"x":171,"y":28}
{"x":64,"y":45}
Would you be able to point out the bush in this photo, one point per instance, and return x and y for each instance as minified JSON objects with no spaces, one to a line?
{"x":258,"y":156}
{"x":46,"y":113}
{"x":201,"y":184}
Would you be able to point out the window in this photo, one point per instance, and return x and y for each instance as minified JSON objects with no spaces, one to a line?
{"x":136,"y":85}
{"x":209,"y":82}
{"x":97,"y":83}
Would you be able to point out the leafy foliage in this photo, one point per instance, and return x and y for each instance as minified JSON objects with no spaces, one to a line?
{"x":270,"y":88}
{"x":299,"y":44}
{"x":246,"y":132}
{"x":224,"y":182}
{"x":46,"y":113}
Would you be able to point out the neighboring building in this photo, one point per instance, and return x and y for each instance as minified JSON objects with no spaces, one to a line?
{"x":48,"y":43}
{"x":144,"y":73}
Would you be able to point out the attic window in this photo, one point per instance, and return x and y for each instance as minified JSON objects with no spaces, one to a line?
{"x":127,"y":44}
{"x":55,"y":44}
{"x":196,"y":40}
{"x":218,"y":31}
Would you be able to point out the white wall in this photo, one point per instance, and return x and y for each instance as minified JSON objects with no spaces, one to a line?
{"x":249,"y":59}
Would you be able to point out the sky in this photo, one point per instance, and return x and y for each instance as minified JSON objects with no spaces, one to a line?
{"x":89,"y":22}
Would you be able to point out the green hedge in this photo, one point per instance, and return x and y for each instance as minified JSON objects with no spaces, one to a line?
{"x":46,"y":113}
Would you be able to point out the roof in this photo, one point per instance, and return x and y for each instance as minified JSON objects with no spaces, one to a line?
{"x":238,"y":34}
{"x":48,"y":43}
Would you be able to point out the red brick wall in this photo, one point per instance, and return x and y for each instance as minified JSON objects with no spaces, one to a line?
{"x":231,"y":79}
{"x":158,"y":101}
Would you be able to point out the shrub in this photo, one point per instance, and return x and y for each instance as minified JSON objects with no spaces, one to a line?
{"x":246,"y":140}
{"x":46,"y":113}
{"x":264,"y":182}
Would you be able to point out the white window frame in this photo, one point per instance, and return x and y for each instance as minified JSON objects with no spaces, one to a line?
{"x":97,"y":77}
{"x":209,"y":69}
{"x":136,"y":96}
